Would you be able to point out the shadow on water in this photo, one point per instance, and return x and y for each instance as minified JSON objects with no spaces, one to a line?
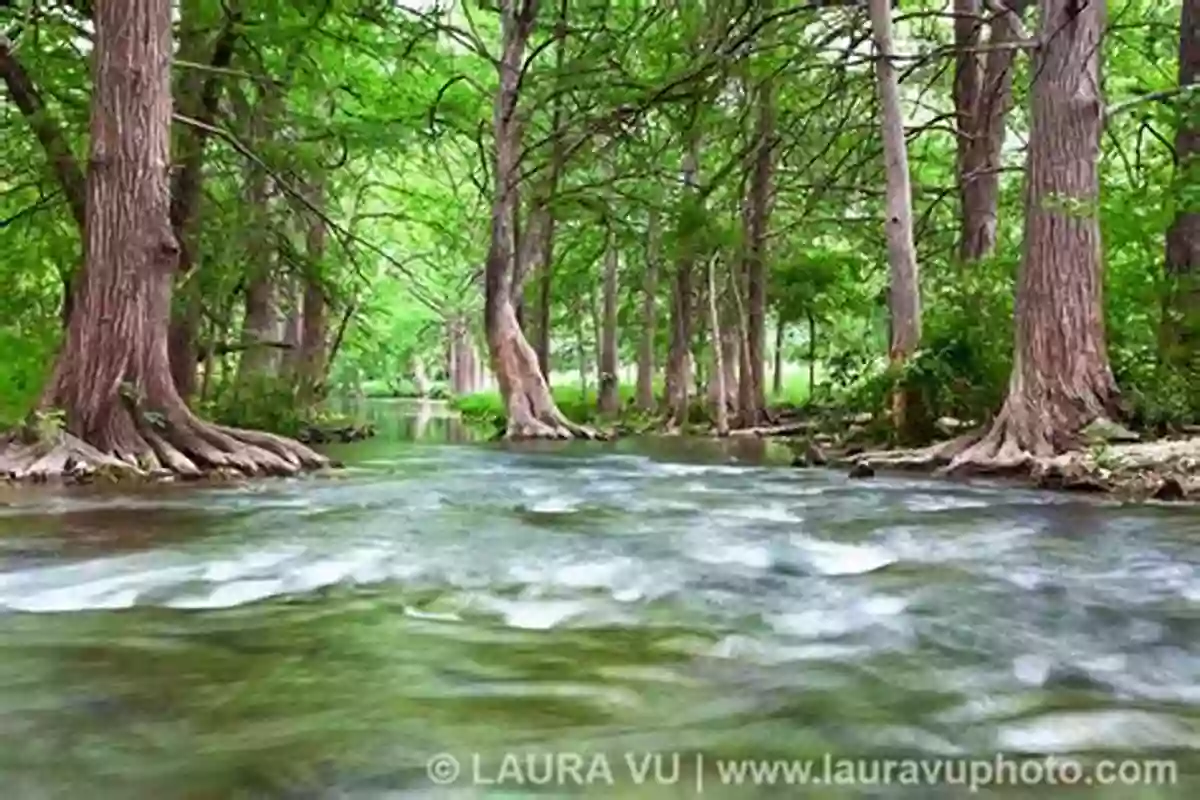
{"x":325,"y":636}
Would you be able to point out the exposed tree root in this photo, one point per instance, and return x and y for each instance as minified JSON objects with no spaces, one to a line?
{"x":804,"y":426}
{"x":532,"y":412}
{"x":922,"y":459}
{"x":182,"y":446}
{"x":531,"y":417}
{"x":1164,"y":470}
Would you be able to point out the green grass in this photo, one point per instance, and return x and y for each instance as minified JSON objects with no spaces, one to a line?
{"x":580,"y":405}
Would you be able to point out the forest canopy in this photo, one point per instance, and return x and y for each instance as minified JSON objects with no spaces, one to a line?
{"x":704,"y":211}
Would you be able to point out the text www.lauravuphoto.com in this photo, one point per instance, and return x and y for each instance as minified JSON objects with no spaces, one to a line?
{"x":699,"y":771}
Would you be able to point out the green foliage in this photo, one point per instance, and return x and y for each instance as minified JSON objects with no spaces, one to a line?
{"x":387,"y":113}
{"x":265,"y":403}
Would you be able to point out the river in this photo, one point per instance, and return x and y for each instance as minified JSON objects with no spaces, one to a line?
{"x":325,"y":637}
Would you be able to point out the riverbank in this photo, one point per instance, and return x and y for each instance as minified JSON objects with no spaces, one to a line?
{"x":1111,"y":459}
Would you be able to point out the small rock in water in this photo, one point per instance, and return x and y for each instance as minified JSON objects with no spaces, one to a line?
{"x":863,"y":418}
{"x":862,"y":470}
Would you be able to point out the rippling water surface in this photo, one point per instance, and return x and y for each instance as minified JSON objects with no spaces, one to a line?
{"x":323,"y":637}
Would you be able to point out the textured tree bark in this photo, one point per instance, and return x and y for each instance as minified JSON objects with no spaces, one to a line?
{"x":609,"y":400}
{"x":679,"y":354}
{"x":718,"y":376}
{"x":263,"y":321}
{"x":532,"y":412}
{"x":1061,"y":378}
{"x":545,"y":299}
{"x":904,"y":299}
{"x":314,"y":336}
{"x":752,"y":385}
{"x":293,"y":324}
{"x":114,"y":382}
{"x":982,"y":100}
{"x":725,"y":336}
{"x":645,"y":364}
{"x":1180,"y":330}
{"x":780,"y":330}
{"x":463,"y":366}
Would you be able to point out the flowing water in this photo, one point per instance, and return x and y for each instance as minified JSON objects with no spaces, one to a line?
{"x":324,"y":637}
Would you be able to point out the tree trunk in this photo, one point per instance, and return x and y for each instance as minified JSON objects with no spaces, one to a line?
{"x":904,"y":299}
{"x":581,"y":357}
{"x":722,"y":406}
{"x":558,"y":155}
{"x":609,"y":400}
{"x":314,"y":339}
{"x":679,"y":355}
{"x":812,"y":354}
{"x":777,"y":383}
{"x":262,"y":329}
{"x":725,"y":337}
{"x":531,"y":409}
{"x":982,"y":100}
{"x":263,"y":322}
{"x":597,"y":338}
{"x":1180,"y":337}
{"x":114,"y":380}
{"x":1061,"y":379}
{"x":420,"y":378}
{"x":645,"y":364}
{"x":752,"y":385}
{"x":545,"y":298}
{"x":293,"y":324}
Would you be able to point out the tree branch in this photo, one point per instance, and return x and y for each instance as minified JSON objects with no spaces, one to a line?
{"x":28,"y":99}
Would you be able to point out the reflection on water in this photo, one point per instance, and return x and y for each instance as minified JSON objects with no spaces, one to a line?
{"x":411,"y":420}
{"x":323,"y":637}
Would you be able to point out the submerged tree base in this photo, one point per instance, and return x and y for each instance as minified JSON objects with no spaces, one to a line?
{"x":184,"y":448}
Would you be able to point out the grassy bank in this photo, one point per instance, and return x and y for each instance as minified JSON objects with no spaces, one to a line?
{"x":579,"y":404}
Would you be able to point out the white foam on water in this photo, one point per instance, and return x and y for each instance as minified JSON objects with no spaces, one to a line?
{"x":1032,"y":669}
{"x":770,"y":512}
{"x":746,"y":555}
{"x":230,"y":595}
{"x":835,"y":558}
{"x":1080,"y":731}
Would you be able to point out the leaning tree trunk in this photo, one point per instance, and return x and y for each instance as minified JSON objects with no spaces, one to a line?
{"x":1180,"y":332}
{"x":114,"y":381}
{"x":645,"y":363}
{"x":609,"y":400}
{"x":904,"y":299}
{"x":532,"y":412}
{"x":1061,"y":379}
